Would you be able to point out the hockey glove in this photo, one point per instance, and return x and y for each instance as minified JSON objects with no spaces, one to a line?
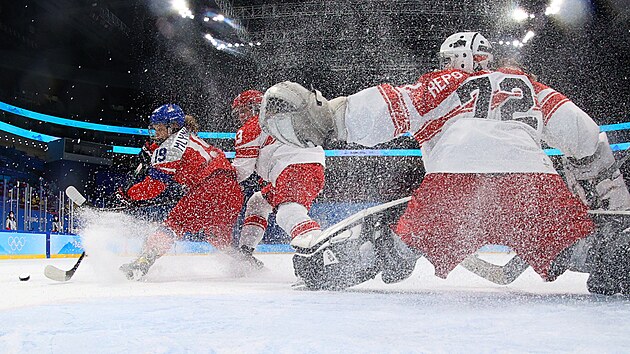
{"x":300,"y":117}
{"x":123,"y":198}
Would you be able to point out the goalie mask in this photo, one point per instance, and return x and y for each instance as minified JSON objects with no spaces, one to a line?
{"x":467,"y":51}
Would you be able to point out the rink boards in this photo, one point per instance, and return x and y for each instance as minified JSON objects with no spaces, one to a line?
{"x":26,"y":245}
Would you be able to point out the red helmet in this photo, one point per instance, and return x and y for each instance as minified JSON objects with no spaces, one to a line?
{"x":248,"y":98}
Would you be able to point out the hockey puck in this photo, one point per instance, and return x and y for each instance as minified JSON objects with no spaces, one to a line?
{"x":25,"y":277}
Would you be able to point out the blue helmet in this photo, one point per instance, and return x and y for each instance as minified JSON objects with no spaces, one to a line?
{"x":168,"y":114}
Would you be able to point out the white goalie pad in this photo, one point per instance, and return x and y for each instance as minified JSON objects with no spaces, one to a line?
{"x":345,"y":253}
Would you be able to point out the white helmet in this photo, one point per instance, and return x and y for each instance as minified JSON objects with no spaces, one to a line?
{"x":467,"y":51}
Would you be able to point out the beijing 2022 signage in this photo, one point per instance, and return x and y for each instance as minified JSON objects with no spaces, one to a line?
{"x":22,"y":245}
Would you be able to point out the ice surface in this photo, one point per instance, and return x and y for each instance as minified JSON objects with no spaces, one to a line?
{"x":196,"y":304}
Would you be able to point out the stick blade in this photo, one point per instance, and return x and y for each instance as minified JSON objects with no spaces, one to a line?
{"x":75,"y":195}
{"x":54,"y":273}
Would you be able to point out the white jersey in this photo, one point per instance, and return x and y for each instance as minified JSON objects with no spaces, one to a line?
{"x":487,"y":122}
{"x":256,"y":151}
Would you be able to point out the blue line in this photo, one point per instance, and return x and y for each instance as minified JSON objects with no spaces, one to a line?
{"x":230,"y":154}
{"x":205,"y":135}
{"x":26,"y":133}
{"x":71,"y":123}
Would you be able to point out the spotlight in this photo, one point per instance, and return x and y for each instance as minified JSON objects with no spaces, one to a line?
{"x":519,"y":15}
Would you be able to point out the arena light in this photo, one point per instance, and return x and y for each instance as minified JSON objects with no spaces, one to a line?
{"x":519,"y":15}
{"x":181,"y":7}
{"x":209,"y":37}
{"x":554,"y":7}
{"x":529,"y":35}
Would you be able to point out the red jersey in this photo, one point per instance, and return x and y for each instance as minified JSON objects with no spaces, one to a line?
{"x":486,"y":122}
{"x":257,"y":151}
{"x":183,"y":158}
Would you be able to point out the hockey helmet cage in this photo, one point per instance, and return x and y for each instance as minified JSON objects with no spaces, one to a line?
{"x":168,"y":114}
{"x":466,"y":51}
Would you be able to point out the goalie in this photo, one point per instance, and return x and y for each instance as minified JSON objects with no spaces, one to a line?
{"x":488,"y":180}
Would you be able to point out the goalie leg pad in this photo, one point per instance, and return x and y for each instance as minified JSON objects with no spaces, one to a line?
{"x":397,"y":259}
{"x":357,"y":252}
{"x":609,"y":260}
{"x":342,"y":261}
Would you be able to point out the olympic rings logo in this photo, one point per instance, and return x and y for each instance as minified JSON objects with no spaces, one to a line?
{"x":16,"y":243}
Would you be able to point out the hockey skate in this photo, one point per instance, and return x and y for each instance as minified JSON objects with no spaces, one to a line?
{"x":244,"y":258}
{"x":245,"y":253}
{"x":137,"y":269}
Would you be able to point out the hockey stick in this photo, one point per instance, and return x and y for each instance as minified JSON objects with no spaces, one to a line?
{"x":54,"y":273}
{"x":497,"y":274}
{"x":506,"y":274}
{"x":77,"y":198}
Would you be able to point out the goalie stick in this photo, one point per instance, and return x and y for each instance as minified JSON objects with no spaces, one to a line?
{"x":507,"y":273}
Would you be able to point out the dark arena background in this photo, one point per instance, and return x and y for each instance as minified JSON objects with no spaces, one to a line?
{"x":79,"y":79}
{"x":67,"y":63}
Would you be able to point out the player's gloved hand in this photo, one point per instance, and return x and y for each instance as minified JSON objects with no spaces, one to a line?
{"x":146,"y":151}
{"x":122,"y":197}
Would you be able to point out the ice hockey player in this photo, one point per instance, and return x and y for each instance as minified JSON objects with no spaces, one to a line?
{"x":292,"y":178}
{"x":213,"y":197}
{"x":488,"y":181}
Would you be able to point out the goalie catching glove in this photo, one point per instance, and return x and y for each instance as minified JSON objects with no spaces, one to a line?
{"x":303,"y":118}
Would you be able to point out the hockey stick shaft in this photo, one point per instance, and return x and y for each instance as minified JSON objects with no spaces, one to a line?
{"x":497,"y":274}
